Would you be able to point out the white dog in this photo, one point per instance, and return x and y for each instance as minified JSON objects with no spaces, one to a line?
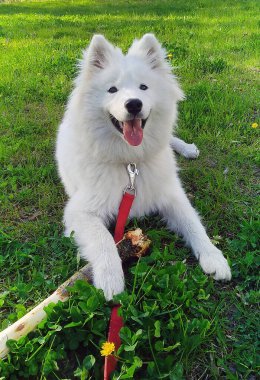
{"x":122,"y":110}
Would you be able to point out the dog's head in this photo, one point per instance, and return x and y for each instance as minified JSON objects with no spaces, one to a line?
{"x":134,"y":93}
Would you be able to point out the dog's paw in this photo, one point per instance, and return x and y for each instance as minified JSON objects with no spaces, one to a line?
{"x":214,"y":263}
{"x":190,"y":151}
{"x":109,"y":279}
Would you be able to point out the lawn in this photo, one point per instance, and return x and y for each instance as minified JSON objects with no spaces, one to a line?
{"x":180,"y":324}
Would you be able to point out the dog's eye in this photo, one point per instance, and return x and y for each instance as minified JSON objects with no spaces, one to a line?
{"x":143,"y":87}
{"x":112,"y":90}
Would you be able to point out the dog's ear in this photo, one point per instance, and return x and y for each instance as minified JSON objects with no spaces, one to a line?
{"x":149,"y":48}
{"x":99,"y":52}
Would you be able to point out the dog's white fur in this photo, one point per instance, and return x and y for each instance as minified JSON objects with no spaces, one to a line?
{"x":92,"y":156}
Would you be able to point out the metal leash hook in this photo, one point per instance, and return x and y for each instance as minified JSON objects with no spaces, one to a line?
{"x":132,"y":172}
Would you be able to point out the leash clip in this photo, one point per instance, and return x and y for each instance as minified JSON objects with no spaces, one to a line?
{"x":132,"y":172}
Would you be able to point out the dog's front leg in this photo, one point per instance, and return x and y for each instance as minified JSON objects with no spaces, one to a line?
{"x":183,"y":219}
{"x":96,"y":246}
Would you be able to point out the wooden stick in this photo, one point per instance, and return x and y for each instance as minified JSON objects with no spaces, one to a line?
{"x":134,"y":244}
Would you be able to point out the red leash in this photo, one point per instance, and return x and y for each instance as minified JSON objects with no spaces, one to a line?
{"x":123,"y":213}
{"x":116,"y":321}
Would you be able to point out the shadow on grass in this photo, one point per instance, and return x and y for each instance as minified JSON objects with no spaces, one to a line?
{"x":163,"y":7}
{"x":122,"y":7}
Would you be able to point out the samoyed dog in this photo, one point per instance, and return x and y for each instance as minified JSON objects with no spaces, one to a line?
{"x":122,"y":110}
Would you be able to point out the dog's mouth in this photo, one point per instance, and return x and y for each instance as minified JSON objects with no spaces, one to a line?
{"x":132,"y":130}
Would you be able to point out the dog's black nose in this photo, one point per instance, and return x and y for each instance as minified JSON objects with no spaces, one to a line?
{"x":133,"y":106}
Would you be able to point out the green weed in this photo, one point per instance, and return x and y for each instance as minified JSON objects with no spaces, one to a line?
{"x":167,"y":318}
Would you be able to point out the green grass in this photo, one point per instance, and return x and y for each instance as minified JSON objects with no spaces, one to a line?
{"x":215,"y":55}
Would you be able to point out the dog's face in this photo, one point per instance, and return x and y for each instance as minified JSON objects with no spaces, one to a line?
{"x":130,"y":91}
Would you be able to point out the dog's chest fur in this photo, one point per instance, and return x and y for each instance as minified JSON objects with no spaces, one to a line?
{"x":103,"y":184}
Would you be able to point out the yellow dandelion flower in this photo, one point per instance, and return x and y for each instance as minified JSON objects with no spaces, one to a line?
{"x":254,"y":125}
{"x":107,"y":348}
{"x":169,"y":55}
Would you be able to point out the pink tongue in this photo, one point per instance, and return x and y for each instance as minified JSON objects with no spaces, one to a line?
{"x":133,"y":132}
